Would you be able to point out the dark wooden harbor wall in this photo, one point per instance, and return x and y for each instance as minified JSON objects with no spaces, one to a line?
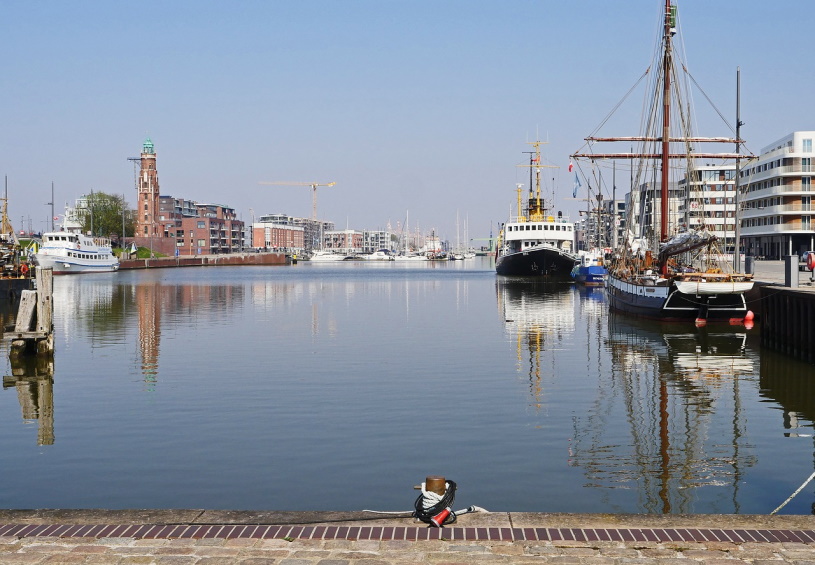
{"x":788,"y":320}
{"x":206,"y":261}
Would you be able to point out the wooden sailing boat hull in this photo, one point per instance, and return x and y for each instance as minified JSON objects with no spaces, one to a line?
{"x":668,"y":304}
{"x":544,"y":262}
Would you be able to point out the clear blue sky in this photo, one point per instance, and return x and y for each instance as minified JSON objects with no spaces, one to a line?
{"x":417,"y":105}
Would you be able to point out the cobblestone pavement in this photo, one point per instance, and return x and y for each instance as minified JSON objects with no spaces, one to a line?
{"x":213,"y":537}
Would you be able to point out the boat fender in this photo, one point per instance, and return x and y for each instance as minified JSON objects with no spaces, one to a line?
{"x":811,"y":261}
{"x":24,"y":269}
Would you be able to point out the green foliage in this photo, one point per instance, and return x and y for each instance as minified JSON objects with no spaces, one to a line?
{"x":103,"y":216}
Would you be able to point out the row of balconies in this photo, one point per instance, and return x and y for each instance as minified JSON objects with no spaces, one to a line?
{"x":783,"y":170}
{"x":777,"y":209}
{"x":774,"y":230}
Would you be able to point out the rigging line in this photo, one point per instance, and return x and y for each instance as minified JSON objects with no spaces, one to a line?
{"x":627,"y":94}
{"x":684,"y":68}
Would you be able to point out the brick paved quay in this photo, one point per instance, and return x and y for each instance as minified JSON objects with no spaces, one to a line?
{"x":330,"y":538}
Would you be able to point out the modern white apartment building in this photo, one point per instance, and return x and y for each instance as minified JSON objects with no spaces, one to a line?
{"x":709,"y":202}
{"x":777,"y":198}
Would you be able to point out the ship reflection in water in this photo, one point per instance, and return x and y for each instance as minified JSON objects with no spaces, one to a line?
{"x":679,"y":388}
{"x":538,"y":316}
{"x":663,"y":423}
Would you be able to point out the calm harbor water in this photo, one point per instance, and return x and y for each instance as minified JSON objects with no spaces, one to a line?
{"x":340,"y":386}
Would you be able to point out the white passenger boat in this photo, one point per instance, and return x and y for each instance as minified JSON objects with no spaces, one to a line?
{"x":67,"y":252}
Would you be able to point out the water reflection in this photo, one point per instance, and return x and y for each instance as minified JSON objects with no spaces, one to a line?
{"x":791,"y":383}
{"x":539,"y":317}
{"x":679,"y":390}
{"x":33,"y":379}
{"x":316,"y":376}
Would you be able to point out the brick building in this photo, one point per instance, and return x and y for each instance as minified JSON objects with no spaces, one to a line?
{"x":176,"y":226}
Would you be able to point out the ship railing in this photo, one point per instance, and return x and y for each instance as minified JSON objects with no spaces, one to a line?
{"x":552,"y":219}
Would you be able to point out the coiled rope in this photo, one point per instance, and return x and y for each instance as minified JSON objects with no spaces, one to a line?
{"x":429,"y":504}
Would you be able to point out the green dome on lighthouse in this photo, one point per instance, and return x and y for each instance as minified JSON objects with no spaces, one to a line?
{"x":148,"y":146}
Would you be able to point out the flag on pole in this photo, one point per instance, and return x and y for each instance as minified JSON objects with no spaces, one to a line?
{"x":577,"y":185}
{"x":571,"y":166}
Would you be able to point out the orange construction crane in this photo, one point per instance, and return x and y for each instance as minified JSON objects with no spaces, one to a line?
{"x":313,"y":186}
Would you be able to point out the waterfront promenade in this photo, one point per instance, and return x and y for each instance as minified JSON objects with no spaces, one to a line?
{"x":326,"y":538}
{"x":772,"y":272}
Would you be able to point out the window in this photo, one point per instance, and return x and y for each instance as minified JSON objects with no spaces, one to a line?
{"x":806,"y":222}
{"x":806,"y":184}
{"x":201,"y":225}
{"x":807,"y":145}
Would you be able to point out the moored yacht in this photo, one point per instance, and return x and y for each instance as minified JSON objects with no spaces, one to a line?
{"x":326,"y":256}
{"x":378,"y":255}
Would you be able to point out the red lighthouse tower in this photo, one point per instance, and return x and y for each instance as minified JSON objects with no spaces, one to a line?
{"x":148,"y":199}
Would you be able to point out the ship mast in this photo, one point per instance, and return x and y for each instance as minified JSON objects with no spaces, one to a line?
{"x":666,"y":124}
{"x":536,"y":204}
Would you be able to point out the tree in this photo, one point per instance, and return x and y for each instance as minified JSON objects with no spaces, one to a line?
{"x":104,"y":214}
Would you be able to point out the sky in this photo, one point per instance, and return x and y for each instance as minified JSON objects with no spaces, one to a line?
{"x":417,"y":109}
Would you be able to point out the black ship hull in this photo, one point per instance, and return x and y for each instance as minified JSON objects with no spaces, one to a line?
{"x":547,"y":263}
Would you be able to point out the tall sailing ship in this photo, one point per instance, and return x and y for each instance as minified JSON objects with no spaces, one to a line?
{"x":535,"y":243}
{"x":669,"y":266}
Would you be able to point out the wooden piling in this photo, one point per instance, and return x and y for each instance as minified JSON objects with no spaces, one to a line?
{"x":33,"y":330}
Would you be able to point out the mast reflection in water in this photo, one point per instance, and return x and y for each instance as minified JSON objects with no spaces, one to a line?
{"x":665,"y":420}
{"x":674,"y":386}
